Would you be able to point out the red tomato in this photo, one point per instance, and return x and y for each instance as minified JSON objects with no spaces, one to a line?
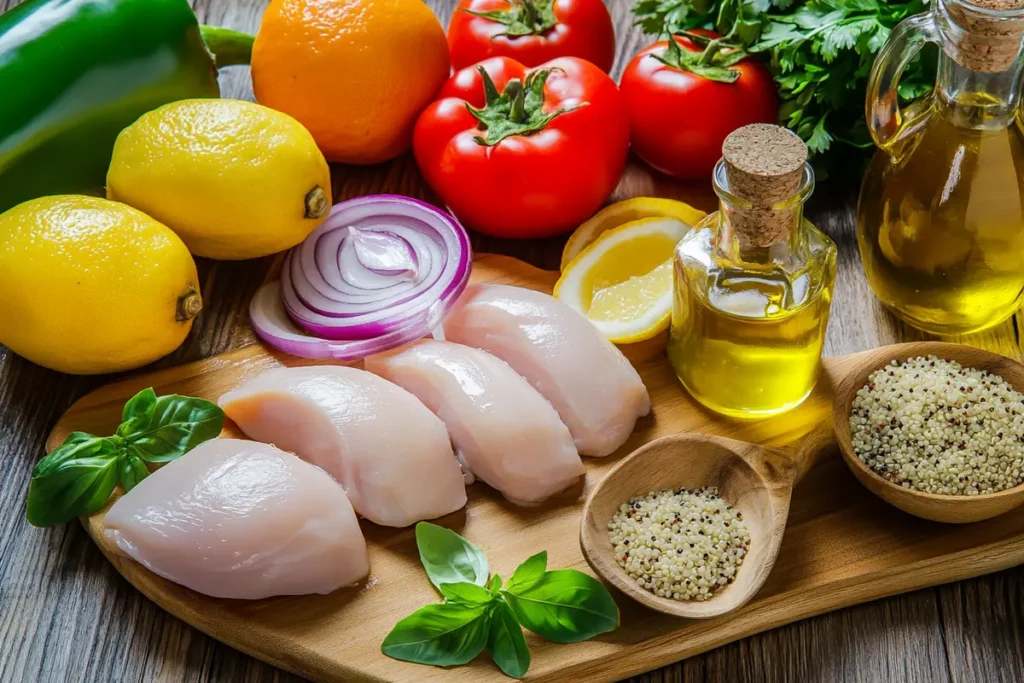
{"x":679,"y":119}
{"x":531,"y":31}
{"x":534,"y":173}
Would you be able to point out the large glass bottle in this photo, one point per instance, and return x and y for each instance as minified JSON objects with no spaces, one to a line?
{"x":753,"y":285}
{"x":940,"y":221}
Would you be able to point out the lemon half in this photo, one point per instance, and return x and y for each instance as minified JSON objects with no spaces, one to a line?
{"x":627,"y":211}
{"x":622,"y":282}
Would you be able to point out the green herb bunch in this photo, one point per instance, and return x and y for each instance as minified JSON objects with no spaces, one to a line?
{"x":78,"y":477}
{"x":820,"y":53}
{"x":564,"y":606}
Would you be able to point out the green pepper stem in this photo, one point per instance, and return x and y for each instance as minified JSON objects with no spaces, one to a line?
{"x":227,"y":46}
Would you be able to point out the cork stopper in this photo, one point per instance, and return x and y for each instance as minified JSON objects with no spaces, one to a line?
{"x":985,"y":42}
{"x":764,"y":166}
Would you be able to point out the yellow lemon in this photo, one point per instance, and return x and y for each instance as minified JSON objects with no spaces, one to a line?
{"x":234,"y":179}
{"x":623,"y":281}
{"x":89,"y":286}
{"x":626,"y":211}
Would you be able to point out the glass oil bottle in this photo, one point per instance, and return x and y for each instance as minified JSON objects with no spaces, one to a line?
{"x":940,"y":221}
{"x":753,"y":282}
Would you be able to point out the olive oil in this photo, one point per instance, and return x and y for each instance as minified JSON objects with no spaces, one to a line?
{"x":942,"y":226}
{"x":749,"y":343}
{"x":940,"y":221}
{"x":753,"y":283}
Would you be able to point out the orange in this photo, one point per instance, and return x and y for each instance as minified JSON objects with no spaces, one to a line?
{"x":356,"y":73}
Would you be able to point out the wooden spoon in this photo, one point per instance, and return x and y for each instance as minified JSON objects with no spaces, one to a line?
{"x":759,"y":481}
{"x":936,"y":507}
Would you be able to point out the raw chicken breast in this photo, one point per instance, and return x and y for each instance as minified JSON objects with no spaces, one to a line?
{"x":390,"y":453}
{"x":239,"y":519}
{"x":595,"y":390}
{"x":504,"y":431}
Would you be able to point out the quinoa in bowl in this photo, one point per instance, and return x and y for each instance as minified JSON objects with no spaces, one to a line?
{"x":934,"y":426}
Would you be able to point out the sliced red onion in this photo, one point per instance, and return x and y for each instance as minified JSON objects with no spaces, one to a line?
{"x":375,"y":266}
{"x":384,"y":253}
{"x":381,"y":271}
{"x":271,"y":323}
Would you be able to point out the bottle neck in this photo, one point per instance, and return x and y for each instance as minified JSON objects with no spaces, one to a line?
{"x":760,"y":235}
{"x":731,"y":245}
{"x":975,"y":99}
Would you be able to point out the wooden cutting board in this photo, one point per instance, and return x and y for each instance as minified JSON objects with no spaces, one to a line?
{"x":842,"y":547}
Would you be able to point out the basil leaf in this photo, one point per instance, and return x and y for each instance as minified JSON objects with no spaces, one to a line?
{"x":506,"y":643}
{"x":445,"y":634}
{"x":529,"y":572}
{"x":133,"y":470}
{"x":137,"y":413}
{"x":448,"y":557}
{"x":174,"y":426}
{"x":466,"y":593}
{"x":495,"y":585}
{"x":77,"y":444}
{"x":76,"y":479}
{"x":50,"y":461}
{"x":564,"y":606}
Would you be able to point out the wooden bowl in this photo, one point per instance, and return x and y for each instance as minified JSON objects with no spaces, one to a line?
{"x":936,"y":507}
{"x":757,"y":481}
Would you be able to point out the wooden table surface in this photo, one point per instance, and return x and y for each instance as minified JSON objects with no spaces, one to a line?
{"x":66,"y":615}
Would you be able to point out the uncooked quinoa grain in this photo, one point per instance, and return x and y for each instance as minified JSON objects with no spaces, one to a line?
{"x":932,"y":425}
{"x":680,"y":544}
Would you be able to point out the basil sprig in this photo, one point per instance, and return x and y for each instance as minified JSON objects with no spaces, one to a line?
{"x":78,"y":477}
{"x":564,"y":606}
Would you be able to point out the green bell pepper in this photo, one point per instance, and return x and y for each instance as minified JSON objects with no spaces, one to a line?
{"x":74,"y":73}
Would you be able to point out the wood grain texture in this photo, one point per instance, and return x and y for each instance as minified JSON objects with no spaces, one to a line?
{"x":841,"y":545}
{"x":66,"y":615}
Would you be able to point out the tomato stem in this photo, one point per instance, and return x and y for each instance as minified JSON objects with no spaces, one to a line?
{"x":531,"y":15}
{"x":491,"y":94}
{"x":713,"y":62}
{"x":710,"y":51}
{"x":514,"y":89}
{"x":518,"y":110}
{"x":523,"y":18}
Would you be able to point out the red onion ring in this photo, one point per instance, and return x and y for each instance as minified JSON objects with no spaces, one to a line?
{"x":381,"y":271}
